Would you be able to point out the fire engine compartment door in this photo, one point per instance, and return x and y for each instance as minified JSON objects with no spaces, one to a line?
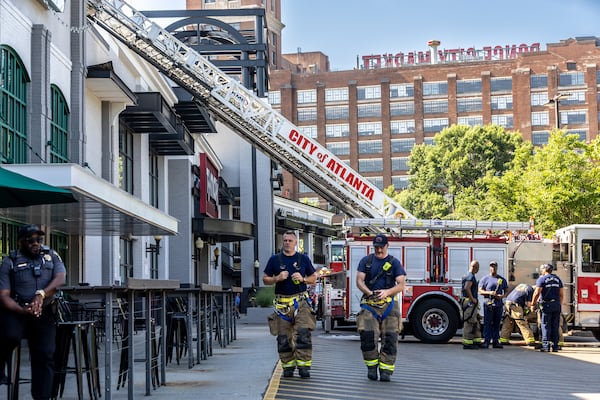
{"x":354,"y":295}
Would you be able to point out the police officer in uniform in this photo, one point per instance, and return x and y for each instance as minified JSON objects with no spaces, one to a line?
{"x":380,"y":277}
{"x":294,"y":319}
{"x":549,"y":292}
{"x":470,"y":309}
{"x":29,"y":277}
{"x":516,"y":308}
{"x":493,"y":288}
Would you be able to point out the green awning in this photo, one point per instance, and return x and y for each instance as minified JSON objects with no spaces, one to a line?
{"x":17,"y":190}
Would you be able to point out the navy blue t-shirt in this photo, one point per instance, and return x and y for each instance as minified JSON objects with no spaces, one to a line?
{"x":551,"y":285}
{"x":470,"y":277}
{"x":377,"y":266}
{"x":491,"y":283}
{"x":289,"y":263}
{"x":521,"y":294}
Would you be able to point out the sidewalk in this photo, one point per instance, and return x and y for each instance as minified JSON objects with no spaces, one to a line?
{"x":242,"y":370}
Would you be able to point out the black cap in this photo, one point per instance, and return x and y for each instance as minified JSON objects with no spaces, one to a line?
{"x":493,"y":263}
{"x":380,"y":240}
{"x":29,"y":230}
{"x":547,"y":267}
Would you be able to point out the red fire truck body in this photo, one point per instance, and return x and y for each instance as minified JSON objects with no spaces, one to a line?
{"x":436,"y":260}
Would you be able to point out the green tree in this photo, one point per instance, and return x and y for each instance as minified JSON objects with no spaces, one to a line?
{"x":450,"y":172}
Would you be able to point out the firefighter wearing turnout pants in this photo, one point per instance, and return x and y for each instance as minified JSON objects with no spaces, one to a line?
{"x":470,"y":309}
{"x":294,"y":318}
{"x":380,"y":277}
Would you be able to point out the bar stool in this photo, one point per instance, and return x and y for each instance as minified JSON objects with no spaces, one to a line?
{"x":80,"y":338}
{"x":14,"y":374}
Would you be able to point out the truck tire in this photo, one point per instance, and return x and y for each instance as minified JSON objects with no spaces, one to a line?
{"x":434,"y":321}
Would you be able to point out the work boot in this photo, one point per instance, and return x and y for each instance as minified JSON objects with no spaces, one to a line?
{"x":484,"y":345}
{"x":384,"y":376}
{"x":497,"y":346}
{"x":468,"y":347}
{"x":372,"y":373}
{"x":288,"y":372}
{"x":304,"y":372}
{"x":536,"y":346}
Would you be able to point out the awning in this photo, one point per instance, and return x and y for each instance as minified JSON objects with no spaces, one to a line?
{"x":102,"y":208}
{"x":222,"y":230}
{"x":17,"y":190}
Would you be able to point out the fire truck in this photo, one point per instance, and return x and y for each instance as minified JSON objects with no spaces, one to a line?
{"x":436,"y":255}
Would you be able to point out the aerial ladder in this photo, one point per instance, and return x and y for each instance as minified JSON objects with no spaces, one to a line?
{"x":400,"y":225}
{"x":249,"y":115}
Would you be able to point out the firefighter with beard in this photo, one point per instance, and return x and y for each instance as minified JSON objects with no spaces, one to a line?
{"x":381,"y":278}
{"x":470,"y":308}
{"x":294,"y":318}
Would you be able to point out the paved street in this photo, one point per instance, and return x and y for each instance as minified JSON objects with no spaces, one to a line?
{"x":248,"y":369}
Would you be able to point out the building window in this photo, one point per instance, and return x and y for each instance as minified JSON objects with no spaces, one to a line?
{"x":13,"y":108}
{"x":573,"y":117}
{"x":575,"y":98}
{"x":400,"y":182}
{"x":377,"y":181}
{"x":503,"y":84}
{"x":306,"y":96}
{"x":369,"y":129}
{"x":472,"y":120}
{"x":538,"y":81}
{"x":274,"y":98}
{"x":400,"y":164}
{"x":435,"y":106}
{"x":125,"y":158}
{"x":336,"y":94}
{"x":368,"y":92}
{"x":434,"y":124}
{"x":309,"y":131}
{"x":336,"y":112}
{"x":435,"y":88}
{"x":468,"y":86}
{"x":59,"y":127}
{"x":469,"y":104}
{"x":339,"y":148}
{"x":401,"y":127}
{"x":370,"y":165}
{"x":539,"y":98}
{"x":582,"y":133}
{"x":571,"y":79}
{"x":153,"y":178}
{"x":402,"y":108}
{"x":307,"y":114}
{"x":540,"y":118}
{"x":502,"y":102}
{"x":402,"y":145}
{"x":370,"y":147}
{"x":401,"y":91}
{"x":539,"y":138}
{"x":338,"y":130}
{"x":369,"y":110}
{"x":125,"y":260}
{"x":428,"y":141}
{"x":303,"y":188}
{"x":505,"y":120}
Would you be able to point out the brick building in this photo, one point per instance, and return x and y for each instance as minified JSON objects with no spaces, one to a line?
{"x":373,"y":116}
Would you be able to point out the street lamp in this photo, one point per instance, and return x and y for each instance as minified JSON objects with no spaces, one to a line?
{"x":555,"y":102}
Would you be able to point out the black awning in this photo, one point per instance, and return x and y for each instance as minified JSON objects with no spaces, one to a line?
{"x":152,"y":114}
{"x":193,"y":113}
{"x":180,"y":143}
{"x":222,"y":230}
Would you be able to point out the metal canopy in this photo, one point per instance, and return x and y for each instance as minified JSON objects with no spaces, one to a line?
{"x":101,"y":209}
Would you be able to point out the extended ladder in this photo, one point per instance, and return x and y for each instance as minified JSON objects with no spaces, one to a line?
{"x":244,"y":112}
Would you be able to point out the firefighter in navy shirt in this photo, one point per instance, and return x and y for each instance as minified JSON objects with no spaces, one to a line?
{"x":549,"y":292}
{"x":380,"y":277}
{"x":516,"y":309}
{"x":294,"y":319}
{"x":493,"y":288}
{"x":29,"y":278}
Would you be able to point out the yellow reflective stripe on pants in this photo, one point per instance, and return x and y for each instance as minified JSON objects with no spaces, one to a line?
{"x":371,"y":363}
{"x":289,"y":364}
{"x":301,"y":363}
{"x":386,"y":367}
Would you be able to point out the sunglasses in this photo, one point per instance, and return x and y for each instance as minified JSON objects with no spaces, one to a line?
{"x":33,"y":240}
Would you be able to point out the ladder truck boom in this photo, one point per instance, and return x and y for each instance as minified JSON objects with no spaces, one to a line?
{"x":249,"y":115}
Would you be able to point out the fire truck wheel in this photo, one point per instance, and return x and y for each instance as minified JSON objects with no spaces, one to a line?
{"x":434,"y":321}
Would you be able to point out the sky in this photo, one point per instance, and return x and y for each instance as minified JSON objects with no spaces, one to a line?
{"x":345,"y":29}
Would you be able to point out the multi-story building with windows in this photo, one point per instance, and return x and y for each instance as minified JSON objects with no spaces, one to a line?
{"x":372,"y":117}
